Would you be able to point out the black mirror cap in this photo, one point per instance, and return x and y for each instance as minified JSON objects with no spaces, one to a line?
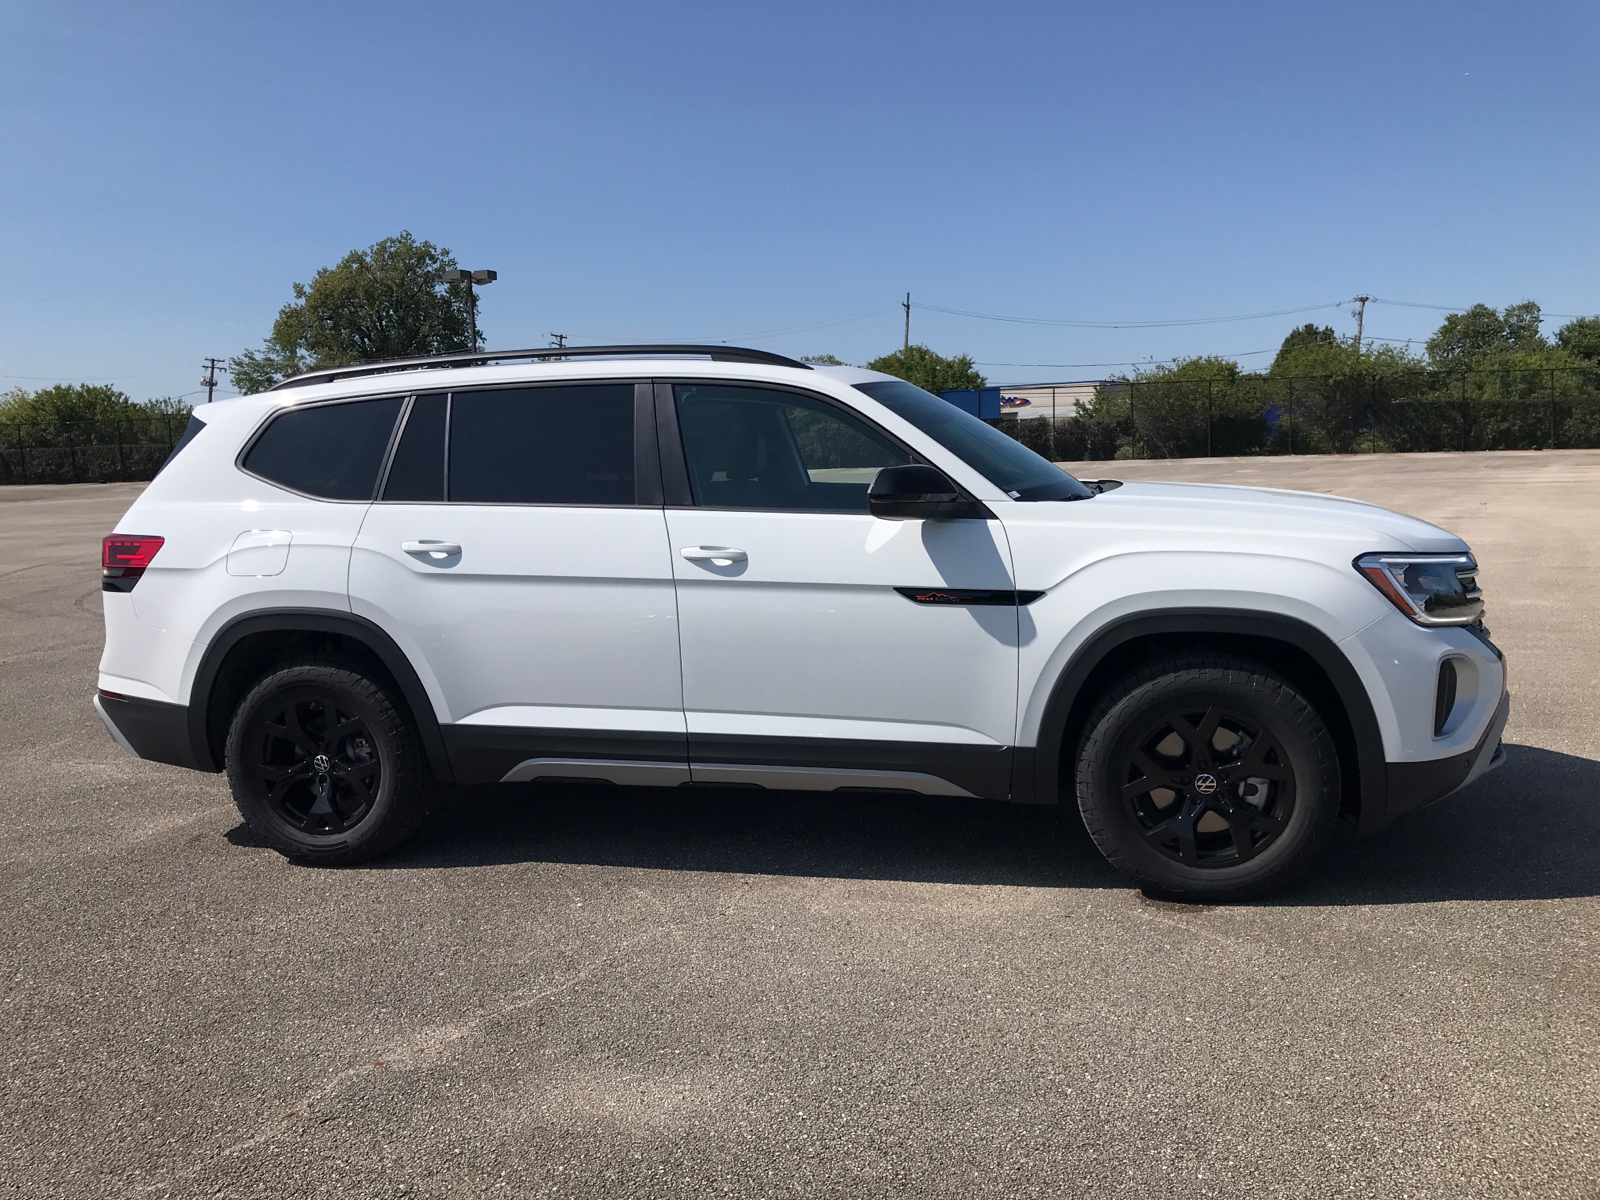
{"x":919,"y":492}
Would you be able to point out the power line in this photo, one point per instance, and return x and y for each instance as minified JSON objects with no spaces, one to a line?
{"x":1143,"y":362}
{"x":1284,"y":312}
{"x":1461,"y":308}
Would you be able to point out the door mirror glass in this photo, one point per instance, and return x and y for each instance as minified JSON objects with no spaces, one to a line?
{"x":915,"y":491}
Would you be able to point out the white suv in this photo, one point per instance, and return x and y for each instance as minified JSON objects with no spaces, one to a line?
{"x":674,"y":565}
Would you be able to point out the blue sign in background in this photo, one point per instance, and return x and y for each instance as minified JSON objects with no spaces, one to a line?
{"x":980,"y":402}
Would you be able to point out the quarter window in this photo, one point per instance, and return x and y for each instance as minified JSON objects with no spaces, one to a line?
{"x":759,"y":448}
{"x":543,"y":445}
{"x":332,"y":451}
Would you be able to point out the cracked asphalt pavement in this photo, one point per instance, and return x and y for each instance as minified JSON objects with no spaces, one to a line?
{"x":593,"y":991}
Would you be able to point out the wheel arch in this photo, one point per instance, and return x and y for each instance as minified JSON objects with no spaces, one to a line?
{"x":1301,"y":653}
{"x":249,"y":645}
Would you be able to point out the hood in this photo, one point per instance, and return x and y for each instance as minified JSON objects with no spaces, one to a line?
{"x":1275,"y":512}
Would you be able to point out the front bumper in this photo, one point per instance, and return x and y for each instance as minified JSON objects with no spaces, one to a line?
{"x":1414,"y":785}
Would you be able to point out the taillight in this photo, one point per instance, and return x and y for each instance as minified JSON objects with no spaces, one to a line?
{"x":123,"y":558}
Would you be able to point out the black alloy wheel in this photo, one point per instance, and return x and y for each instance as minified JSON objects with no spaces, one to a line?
{"x":1207,"y":778}
{"x":1208,"y":787}
{"x":313,"y":762}
{"x":326,"y":765}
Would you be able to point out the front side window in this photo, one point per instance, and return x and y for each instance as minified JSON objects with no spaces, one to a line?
{"x":1003,"y":461}
{"x":542,"y":445}
{"x":332,"y":451}
{"x":759,"y":448}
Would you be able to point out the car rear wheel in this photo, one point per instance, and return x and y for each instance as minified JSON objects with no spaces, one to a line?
{"x":325,"y":765}
{"x":1207,"y":779}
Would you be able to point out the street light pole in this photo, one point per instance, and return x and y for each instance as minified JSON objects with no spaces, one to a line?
{"x":481,"y":278}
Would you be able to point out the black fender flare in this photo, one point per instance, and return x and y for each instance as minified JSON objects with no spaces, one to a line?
{"x":1372,"y":766}
{"x":312,"y":620}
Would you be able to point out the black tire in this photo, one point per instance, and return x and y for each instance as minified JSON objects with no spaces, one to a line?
{"x":325,"y":765}
{"x":1207,"y":779}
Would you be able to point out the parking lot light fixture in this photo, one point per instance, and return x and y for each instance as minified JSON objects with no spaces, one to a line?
{"x":456,"y":275}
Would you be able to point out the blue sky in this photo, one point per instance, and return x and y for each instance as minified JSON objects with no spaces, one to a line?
{"x":734,"y":171}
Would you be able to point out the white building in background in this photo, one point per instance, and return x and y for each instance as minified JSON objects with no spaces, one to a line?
{"x":1025,"y":400}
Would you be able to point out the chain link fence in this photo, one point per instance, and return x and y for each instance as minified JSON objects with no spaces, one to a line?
{"x":109,"y":451}
{"x":1527,"y":409}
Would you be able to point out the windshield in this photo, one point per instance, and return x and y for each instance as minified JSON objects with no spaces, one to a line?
{"x":1003,"y":461}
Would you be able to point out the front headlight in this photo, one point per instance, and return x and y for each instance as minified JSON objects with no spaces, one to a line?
{"x":1431,"y":589}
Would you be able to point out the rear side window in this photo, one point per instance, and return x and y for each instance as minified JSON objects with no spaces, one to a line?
{"x":543,"y":445}
{"x":417,"y":472}
{"x":332,"y":451}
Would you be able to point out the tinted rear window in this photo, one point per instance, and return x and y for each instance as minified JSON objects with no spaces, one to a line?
{"x":417,"y":472}
{"x":545,"y":445}
{"x":329,"y":450}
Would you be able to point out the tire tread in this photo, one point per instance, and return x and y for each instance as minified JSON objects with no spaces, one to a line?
{"x":1204,"y":669}
{"x":412,"y":788}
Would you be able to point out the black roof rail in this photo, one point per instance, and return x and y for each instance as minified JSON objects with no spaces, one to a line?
{"x":478,"y":358}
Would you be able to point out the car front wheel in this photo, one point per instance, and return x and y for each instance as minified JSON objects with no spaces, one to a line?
{"x":1207,"y":779}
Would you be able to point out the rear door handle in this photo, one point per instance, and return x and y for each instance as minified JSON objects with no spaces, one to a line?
{"x":432,"y":548}
{"x":716,"y":554}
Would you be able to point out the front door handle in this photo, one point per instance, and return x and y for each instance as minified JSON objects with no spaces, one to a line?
{"x":720,"y":555}
{"x":432,"y":548}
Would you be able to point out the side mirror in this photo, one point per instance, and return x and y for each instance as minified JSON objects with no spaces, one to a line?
{"x":914,"y":492}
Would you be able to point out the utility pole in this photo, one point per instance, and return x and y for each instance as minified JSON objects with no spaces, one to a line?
{"x":907,"y":307}
{"x":210,"y":381}
{"x":558,"y":340}
{"x":1361,"y":314}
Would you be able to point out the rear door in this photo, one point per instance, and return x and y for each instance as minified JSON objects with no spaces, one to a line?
{"x":518,"y":553}
{"x":824,"y":647}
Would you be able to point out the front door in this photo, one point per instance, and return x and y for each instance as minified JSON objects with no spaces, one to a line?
{"x":823,"y":647}
{"x":519,"y":556}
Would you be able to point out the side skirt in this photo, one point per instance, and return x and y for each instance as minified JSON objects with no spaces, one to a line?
{"x":502,"y":754}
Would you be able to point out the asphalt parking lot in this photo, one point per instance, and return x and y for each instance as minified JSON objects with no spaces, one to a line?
{"x":593,"y":991}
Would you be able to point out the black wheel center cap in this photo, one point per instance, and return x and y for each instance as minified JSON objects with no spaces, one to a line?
{"x":1204,"y":784}
{"x":321,"y":763}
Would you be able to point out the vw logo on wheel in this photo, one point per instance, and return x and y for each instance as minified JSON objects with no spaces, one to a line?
{"x":1204,"y":784}
{"x":321,"y":764}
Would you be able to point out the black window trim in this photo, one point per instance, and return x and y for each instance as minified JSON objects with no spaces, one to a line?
{"x":394,"y":448}
{"x":676,"y":489}
{"x":275,"y":414}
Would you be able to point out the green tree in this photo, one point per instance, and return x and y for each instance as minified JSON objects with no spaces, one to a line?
{"x":1191,"y":406}
{"x":72,"y":403}
{"x":826,"y":360}
{"x":1482,"y":337}
{"x":1308,"y":338}
{"x":929,"y":371}
{"x":1581,"y":338}
{"x":388,"y":301}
